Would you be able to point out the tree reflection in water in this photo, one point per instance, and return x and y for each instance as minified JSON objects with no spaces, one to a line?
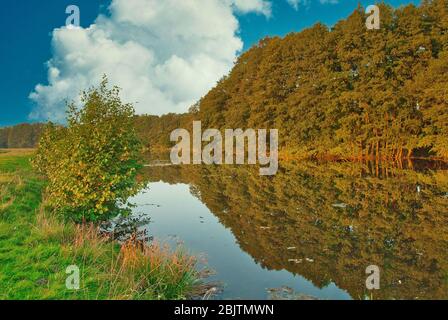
{"x":327,"y":222}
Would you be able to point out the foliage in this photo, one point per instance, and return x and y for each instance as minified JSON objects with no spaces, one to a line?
{"x":92,"y":163}
{"x":348,"y":91}
{"x":155,"y":131}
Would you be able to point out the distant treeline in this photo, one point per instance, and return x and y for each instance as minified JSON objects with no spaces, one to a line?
{"x":154,"y":131}
{"x":24,"y":135}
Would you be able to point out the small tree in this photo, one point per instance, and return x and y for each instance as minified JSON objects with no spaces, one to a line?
{"x":92,"y":164}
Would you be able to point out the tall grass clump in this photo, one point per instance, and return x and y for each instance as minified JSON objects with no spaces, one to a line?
{"x":152,"y":272}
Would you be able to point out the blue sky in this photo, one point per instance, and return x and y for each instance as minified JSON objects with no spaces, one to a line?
{"x":25,"y":40}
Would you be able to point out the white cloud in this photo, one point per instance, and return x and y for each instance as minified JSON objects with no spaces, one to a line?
{"x":296,"y":3}
{"x":165,"y":55}
{"x":259,"y":6}
{"x":329,"y":1}
{"x":306,"y":3}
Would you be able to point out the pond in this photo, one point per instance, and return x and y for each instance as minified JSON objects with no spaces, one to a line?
{"x":310,"y":231}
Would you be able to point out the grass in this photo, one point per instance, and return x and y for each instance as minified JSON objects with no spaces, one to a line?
{"x":36,"y":248}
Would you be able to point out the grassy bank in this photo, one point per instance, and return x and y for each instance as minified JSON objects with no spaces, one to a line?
{"x":36,"y":247}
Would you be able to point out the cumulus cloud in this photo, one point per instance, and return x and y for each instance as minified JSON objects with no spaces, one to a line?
{"x":165,"y":55}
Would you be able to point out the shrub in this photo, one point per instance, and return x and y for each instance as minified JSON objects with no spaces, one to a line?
{"x":91,"y":164}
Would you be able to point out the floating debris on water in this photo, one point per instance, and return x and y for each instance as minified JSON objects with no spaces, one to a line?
{"x":150,"y":204}
{"x":287,"y":293}
{"x":291,"y":248}
{"x":281,"y":289}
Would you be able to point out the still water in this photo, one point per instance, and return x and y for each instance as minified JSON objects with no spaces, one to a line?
{"x":310,"y":231}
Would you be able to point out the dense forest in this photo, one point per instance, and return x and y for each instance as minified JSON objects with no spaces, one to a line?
{"x":346,"y":92}
{"x":155,"y":131}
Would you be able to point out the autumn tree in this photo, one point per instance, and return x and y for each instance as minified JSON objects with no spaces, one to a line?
{"x":92,"y":163}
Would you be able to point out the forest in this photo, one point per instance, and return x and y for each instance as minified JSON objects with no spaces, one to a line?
{"x":348,"y":90}
{"x":344,"y":92}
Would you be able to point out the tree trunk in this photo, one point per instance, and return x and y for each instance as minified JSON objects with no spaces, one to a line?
{"x":378,"y":149}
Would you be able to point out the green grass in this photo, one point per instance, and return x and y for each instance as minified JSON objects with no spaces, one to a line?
{"x":36,"y":247}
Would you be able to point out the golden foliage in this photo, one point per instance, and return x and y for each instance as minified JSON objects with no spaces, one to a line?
{"x":91,"y":164}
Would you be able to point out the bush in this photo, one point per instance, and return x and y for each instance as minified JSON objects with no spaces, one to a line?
{"x":92,"y":163}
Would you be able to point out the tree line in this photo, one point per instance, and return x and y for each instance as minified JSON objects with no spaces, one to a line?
{"x":345,"y":92}
{"x":24,"y":135}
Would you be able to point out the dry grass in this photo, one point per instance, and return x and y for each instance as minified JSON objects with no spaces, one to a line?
{"x":88,"y":235}
{"x":6,"y":178}
{"x":16,"y":152}
{"x":5,"y":204}
{"x":131,"y":270}
{"x":51,"y":228}
{"x":9,"y":184}
{"x":11,"y":180}
{"x":138,"y":256}
{"x":152,"y":271}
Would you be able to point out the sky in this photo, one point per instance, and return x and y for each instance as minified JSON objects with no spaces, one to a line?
{"x":165,"y":55}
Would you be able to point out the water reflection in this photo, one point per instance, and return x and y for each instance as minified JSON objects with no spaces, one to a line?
{"x":312,"y":228}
